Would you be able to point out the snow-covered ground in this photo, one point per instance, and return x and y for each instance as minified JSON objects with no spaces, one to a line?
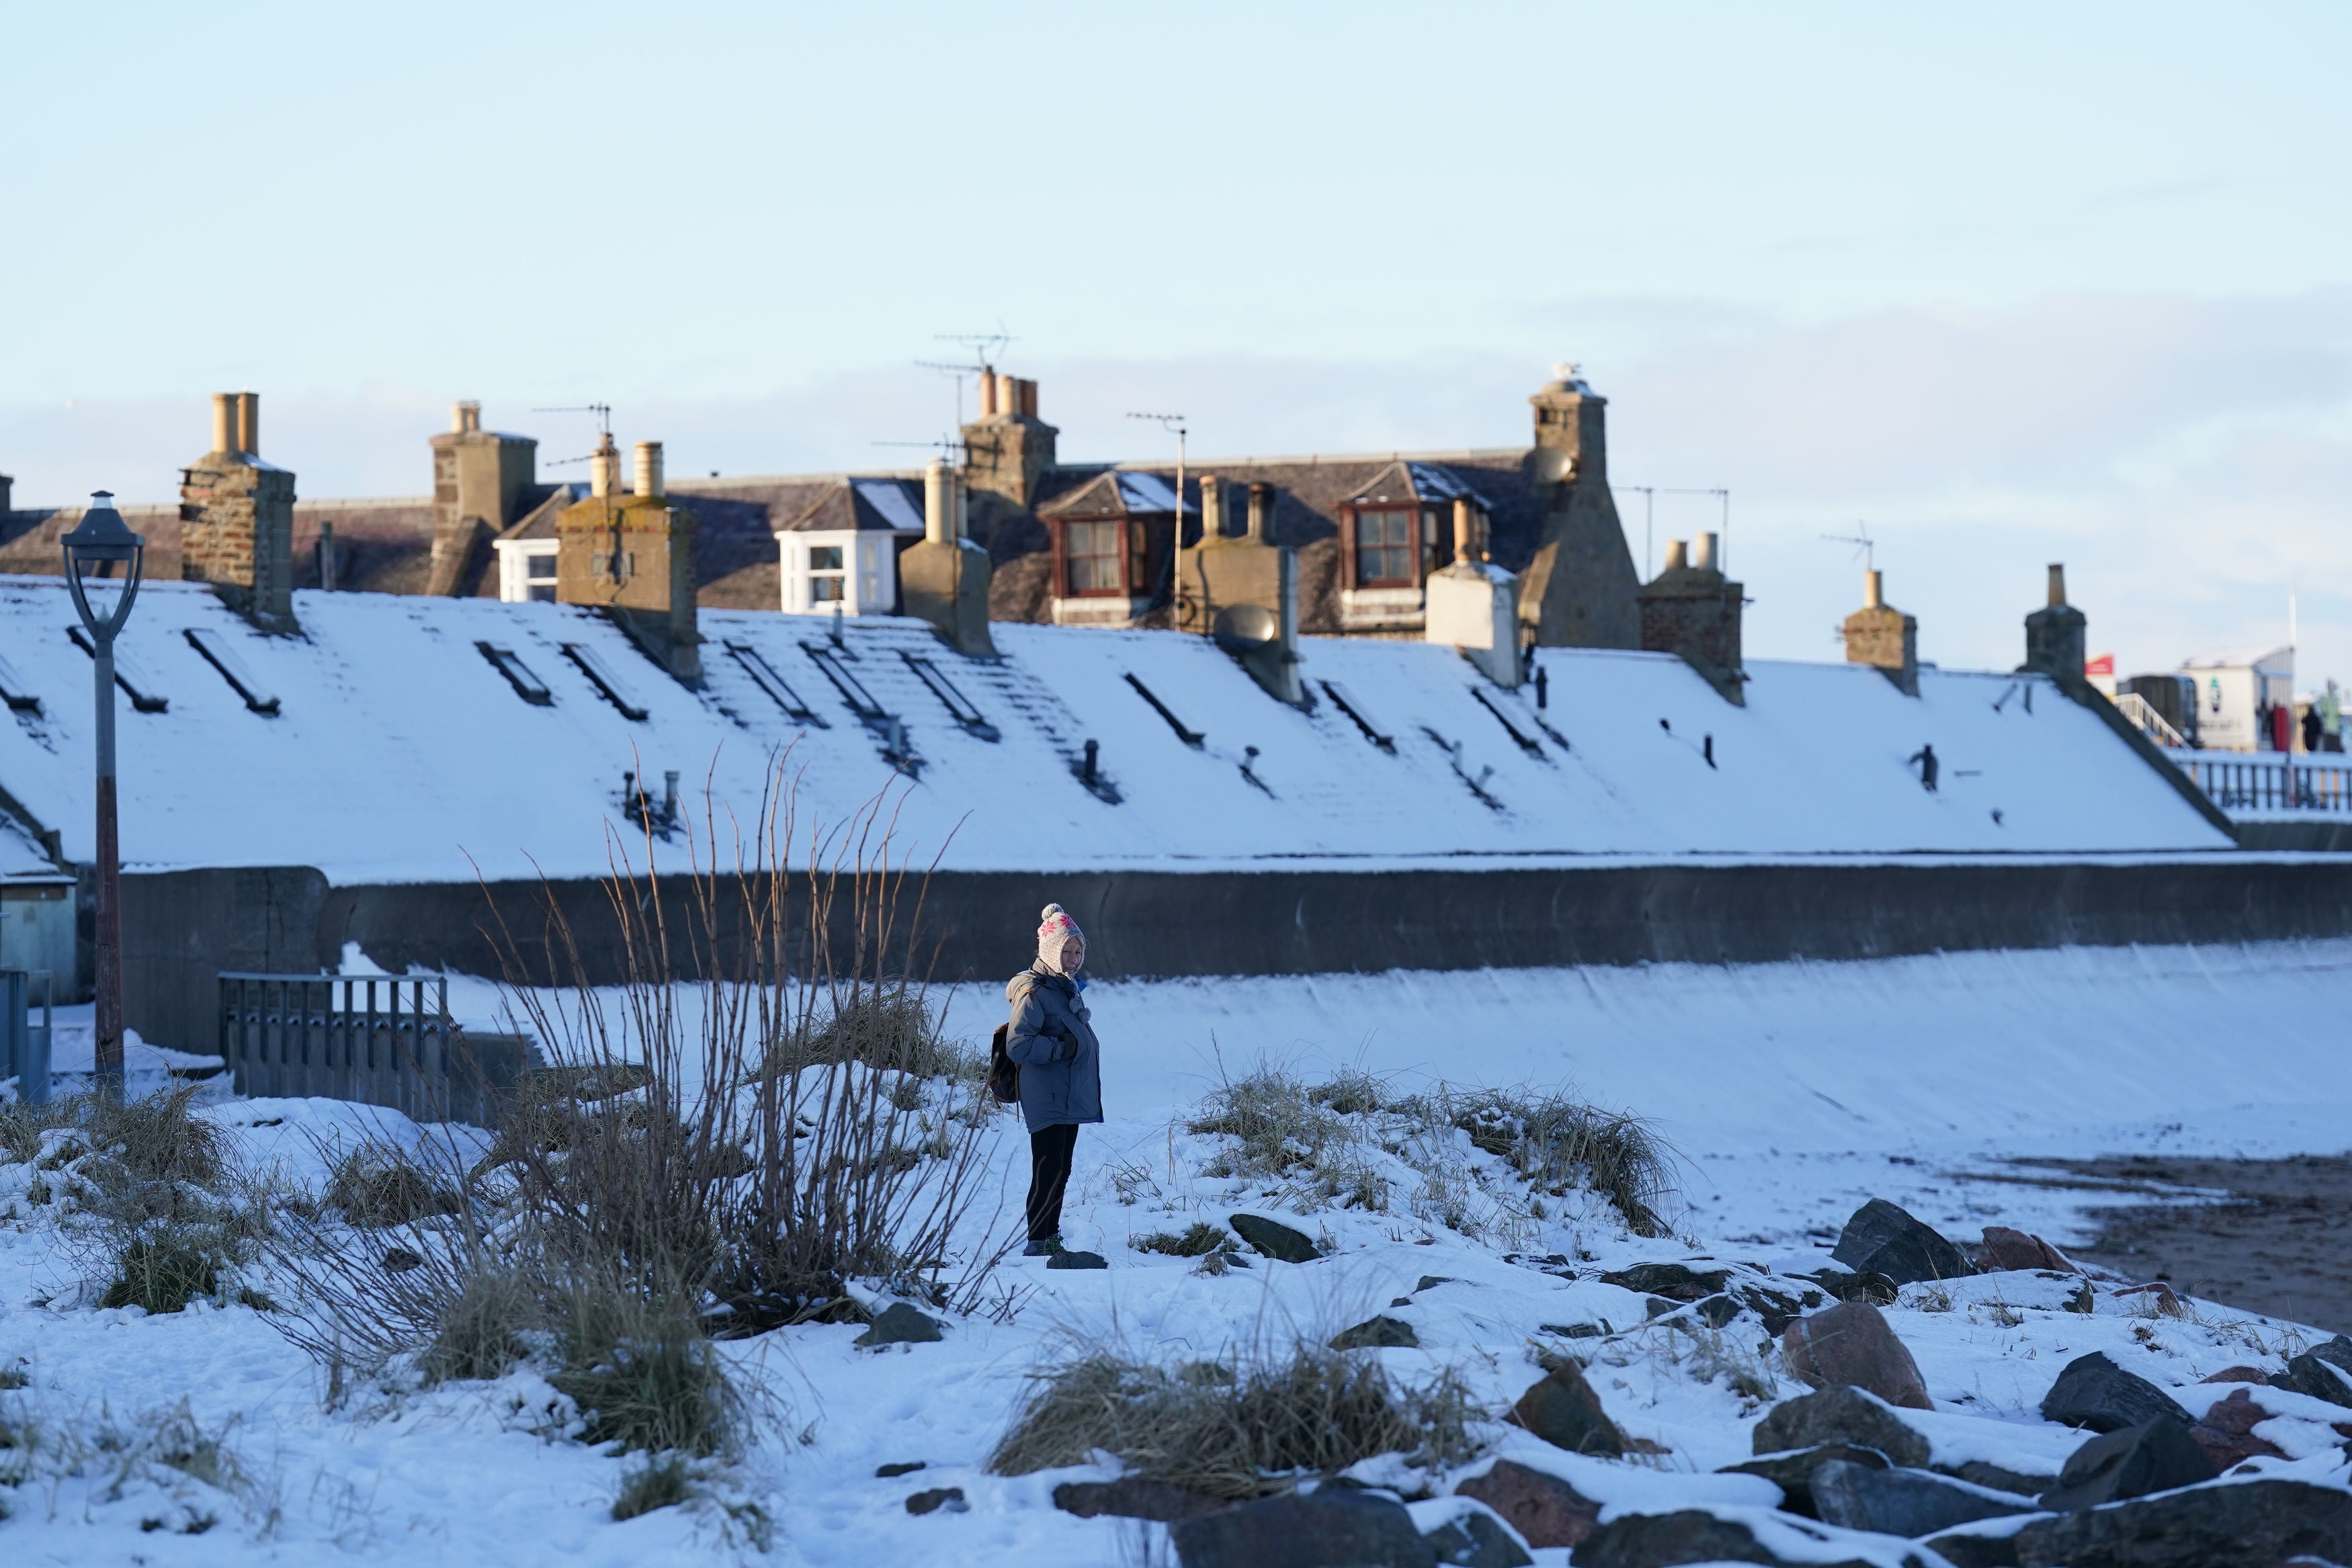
{"x":1793,"y":1091}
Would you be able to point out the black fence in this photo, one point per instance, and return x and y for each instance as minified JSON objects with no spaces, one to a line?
{"x":386,"y":1040}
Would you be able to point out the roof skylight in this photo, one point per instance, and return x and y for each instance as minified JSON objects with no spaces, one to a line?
{"x":960,"y":707}
{"x":528,"y":687}
{"x":777,"y":689}
{"x":16,"y":692}
{"x":861,"y":701}
{"x":145,"y":695}
{"x":223,"y":657}
{"x":605,"y":680}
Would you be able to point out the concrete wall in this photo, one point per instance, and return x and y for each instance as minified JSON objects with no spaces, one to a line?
{"x":182,"y":929}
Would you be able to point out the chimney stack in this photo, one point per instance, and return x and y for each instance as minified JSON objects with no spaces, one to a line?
{"x":945,"y":579}
{"x":1007,"y":449}
{"x":236,"y":517}
{"x":649,"y":468}
{"x":2056,"y":635}
{"x":633,"y":557}
{"x":1693,"y":611}
{"x":1881,"y":635}
{"x":480,"y":481}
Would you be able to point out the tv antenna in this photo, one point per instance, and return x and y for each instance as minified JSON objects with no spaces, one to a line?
{"x":985,"y":347}
{"x":1860,"y":539}
{"x":603,"y":412}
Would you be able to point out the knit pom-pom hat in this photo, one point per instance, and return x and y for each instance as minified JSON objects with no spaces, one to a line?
{"x":1054,"y":927}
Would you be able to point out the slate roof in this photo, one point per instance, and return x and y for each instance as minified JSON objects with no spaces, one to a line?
{"x":888,"y":506}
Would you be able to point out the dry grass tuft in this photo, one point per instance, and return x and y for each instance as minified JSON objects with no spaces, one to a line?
{"x":663,"y":1482}
{"x":1238,"y":1427}
{"x":1558,"y":1143}
{"x":377,"y":1185}
{"x":1198,"y":1241}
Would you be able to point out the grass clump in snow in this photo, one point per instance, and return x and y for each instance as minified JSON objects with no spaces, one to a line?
{"x":1310,"y":1137}
{"x":22,"y":1126}
{"x":640,"y":1368}
{"x":1197,"y":1240}
{"x":1238,"y":1427}
{"x":663,"y":1482}
{"x":1558,"y":1143}
{"x":164,"y":1266}
{"x":377,"y":1185}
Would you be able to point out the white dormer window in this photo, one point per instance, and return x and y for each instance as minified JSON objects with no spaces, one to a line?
{"x":527,"y":570}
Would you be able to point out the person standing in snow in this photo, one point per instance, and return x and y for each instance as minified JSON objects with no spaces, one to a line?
{"x":1051,"y":1038}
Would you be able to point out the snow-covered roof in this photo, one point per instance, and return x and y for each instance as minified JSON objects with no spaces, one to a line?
{"x":880,"y":506}
{"x":1411,"y":481}
{"x":399,"y":751}
{"x":1116,"y":492}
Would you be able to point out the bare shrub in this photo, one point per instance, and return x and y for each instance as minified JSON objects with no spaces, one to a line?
{"x":1236,"y":1427}
{"x":728,"y":1137}
{"x":1198,"y":1239}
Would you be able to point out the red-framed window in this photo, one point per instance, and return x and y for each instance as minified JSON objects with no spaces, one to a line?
{"x":1096,"y":557}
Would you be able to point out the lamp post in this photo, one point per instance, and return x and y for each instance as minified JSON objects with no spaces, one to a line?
{"x":102,"y":540}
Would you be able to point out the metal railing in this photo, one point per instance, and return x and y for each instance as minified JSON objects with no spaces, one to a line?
{"x":2245,"y":782}
{"x":382,"y":1041}
{"x":2150,"y":723}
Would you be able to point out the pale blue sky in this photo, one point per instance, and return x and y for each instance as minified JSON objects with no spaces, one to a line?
{"x":2010,"y":283}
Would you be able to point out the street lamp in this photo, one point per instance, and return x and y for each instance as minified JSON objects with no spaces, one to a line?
{"x":102,"y":539}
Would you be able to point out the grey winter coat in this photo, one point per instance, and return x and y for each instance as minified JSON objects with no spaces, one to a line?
{"x":1053,"y":1040}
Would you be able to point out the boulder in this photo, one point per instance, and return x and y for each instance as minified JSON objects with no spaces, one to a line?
{"x":1718,"y":1310}
{"x":1851,"y":1343}
{"x":1676,"y":1281}
{"x":1276,"y":1240}
{"x":2238,"y":1374}
{"x":1892,"y":1500}
{"x":2092,"y":1391}
{"x":897,"y":1468}
{"x":1326,"y":1529}
{"x":900,"y":1324}
{"x":1693,"y":1535}
{"x":2003,"y":1250}
{"x":2155,"y":1456}
{"x":938,"y":1498}
{"x":1476,"y":1539}
{"x":2226,"y":1432}
{"x":1792,"y":1471}
{"x":1545,"y":1509}
{"x":1880,"y":1239}
{"x":2323,"y":1372}
{"x":1988,"y":1543}
{"x":1563,"y":1410}
{"x":400,"y":1260}
{"x":1377,"y":1333}
{"x":1430,"y":1281}
{"x":1075,"y":1260}
{"x":1840,"y":1415}
{"x":1132,"y":1497}
{"x":2245,"y":1524}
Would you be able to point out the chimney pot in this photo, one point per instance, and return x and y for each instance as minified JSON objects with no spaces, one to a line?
{"x":248,"y":423}
{"x":2057,"y":583}
{"x":1702,"y":557}
{"x":1874,"y":589}
{"x":1465,"y":532}
{"x":223,"y":421}
{"x":1677,"y":553}
{"x":649,"y":468}
{"x":466,"y":418}
{"x":604,"y":468}
{"x":987,"y":393}
{"x":939,"y":502}
{"x":1213,"y":508}
{"x":1261,"y":513}
{"x":1028,"y":400}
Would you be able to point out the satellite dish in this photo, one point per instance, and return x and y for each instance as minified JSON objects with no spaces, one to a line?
{"x":1247,"y":627}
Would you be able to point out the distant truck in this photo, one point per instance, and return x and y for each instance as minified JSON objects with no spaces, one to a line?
{"x":2244,"y":700}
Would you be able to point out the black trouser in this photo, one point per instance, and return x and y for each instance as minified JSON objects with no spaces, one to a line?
{"x":1050,"y":1149}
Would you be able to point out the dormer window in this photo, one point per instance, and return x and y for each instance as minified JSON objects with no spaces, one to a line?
{"x":1096,"y":555}
{"x":840,"y":556}
{"x":1112,"y":540}
{"x":1385,"y":549}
